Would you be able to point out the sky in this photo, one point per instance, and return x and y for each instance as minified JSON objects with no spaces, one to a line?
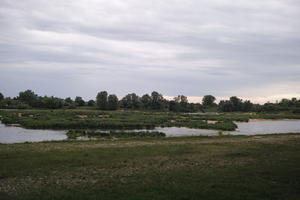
{"x":249,"y":49}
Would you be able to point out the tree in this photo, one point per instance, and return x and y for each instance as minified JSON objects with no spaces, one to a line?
{"x":50,"y":102}
{"x":225,"y":106}
{"x":183,"y":103}
{"x":9,"y":103}
{"x":101,"y":100}
{"x":28,"y":97}
{"x":69,"y":101}
{"x":208,"y":101}
{"x":247,"y":106}
{"x":237,"y":103}
{"x":91,"y":103}
{"x":174,"y":106}
{"x":180,"y":104}
{"x":113,"y":102}
{"x":157,"y":101}
{"x":146,"y":101}
{"x":1,"y":96}
{"x":131,"y":101}
{"x":79,"y":101}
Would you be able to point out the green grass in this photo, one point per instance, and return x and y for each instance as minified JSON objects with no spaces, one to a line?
{"x":212,"y":168}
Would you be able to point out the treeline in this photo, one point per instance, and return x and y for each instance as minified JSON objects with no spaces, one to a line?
{"x":154,"y":101}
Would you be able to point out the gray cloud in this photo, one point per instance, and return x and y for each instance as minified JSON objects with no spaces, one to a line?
{"x":222,"y":47}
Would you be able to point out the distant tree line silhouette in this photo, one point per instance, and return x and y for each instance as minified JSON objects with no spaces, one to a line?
{"x":154,"y":101}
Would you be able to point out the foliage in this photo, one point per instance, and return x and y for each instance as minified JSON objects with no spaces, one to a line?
{"x":9,"y":103}
{"x":157,"y":101}
{"x":28,"y":97}
{"x":208,"y":101}
{"x":146,"y":101}
{"x":154,"y":102}
{"x":49,"y":102}
{"x":91,"y":103}
{"x":131,"y":101}
{"x":181,"y":104}
{"x":1,"y":96}
{"x":235,"y":104}
{"x":101,"y":100}
{"x":73,"y":134}
{"x":112,"y":102}
{"x":79,"y":101}
{"x":69,"y":101}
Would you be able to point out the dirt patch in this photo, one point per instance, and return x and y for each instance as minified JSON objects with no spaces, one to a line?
{"x":82,"y":116}
{"x":104,"y":116}
{"x":211,"y":121}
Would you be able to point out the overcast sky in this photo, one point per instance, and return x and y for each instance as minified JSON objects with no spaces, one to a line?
{"x":193,"y":47}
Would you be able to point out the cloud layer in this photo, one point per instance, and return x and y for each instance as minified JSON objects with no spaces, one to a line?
{"x":220,"y":47}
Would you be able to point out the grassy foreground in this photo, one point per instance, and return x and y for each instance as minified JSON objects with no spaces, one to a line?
{"x":256,"y":167}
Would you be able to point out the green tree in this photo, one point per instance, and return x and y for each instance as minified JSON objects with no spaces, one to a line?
{"x":157,"y":101}
{"x":91,"y":103}
{"x":247,"y":106}
{"x":69,"y":101}
{"x":131,"y":101}
{"x":51,"y":102}
{"x":146,"y":101}
{"x":113,"y":102}
{"x":28,"y":97}
{"x":208,"y":101}
{"x":101,"y":100}
{"x":237,"y":103}
{"x":180,"y":104}
{"x":225,"y":106}
{"x":1,"y":96}
{"x":174,"y":106}
{"x":79,"y":101}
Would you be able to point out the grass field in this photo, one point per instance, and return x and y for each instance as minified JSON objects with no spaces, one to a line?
{"x":211,"y":168}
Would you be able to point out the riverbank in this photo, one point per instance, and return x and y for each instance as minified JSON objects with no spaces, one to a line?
{"x":227,"y":167}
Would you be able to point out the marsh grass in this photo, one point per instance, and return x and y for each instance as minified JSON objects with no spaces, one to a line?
{"x":73,"y":134}
{"x":126,"y":120}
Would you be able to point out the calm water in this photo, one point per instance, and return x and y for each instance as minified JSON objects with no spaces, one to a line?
{"x":267,"y":127}
{"x":10,"y":134}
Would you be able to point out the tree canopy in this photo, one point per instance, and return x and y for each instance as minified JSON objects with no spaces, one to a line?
{"x":1,"y":96}
{"x":101,"y":100}
{"x":155,"y":101}
{"x":208,"y":101}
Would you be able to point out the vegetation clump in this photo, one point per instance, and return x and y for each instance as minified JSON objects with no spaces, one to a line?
{"x":65,"y":119}
{"x":73,"y":134}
